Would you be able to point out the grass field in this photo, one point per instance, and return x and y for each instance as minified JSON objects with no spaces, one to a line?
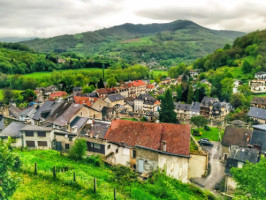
{"x":212,"y":135}
{"x":2,"y":93}
{"x":158,"y":72}
{"x":44,"y":186}
{"x":39,"y":75}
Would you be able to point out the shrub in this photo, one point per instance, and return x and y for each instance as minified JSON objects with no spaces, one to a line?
{"x":207,"y":128}
{"x":78,"y":151}
{"x":197,"y":132}
{"x":95,"y":160}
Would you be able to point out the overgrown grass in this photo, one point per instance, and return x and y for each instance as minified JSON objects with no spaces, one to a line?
{"x":44,"y":186}
{"x":159,"y":72}
{"x":2,"y":93}
{"x":212,"y":135}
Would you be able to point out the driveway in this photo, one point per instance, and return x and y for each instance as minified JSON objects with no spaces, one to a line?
{"x":216,"y":167}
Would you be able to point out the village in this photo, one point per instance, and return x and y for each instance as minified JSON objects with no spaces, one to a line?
{"x":121,"y":124}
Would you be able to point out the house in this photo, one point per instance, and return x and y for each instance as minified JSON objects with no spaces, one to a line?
{"x":76,"y":90}
{"x":258,"y":139}
{"x":94,"y":134}
{"x":145,"y":147}
{"x":257,"y":86}
{"x":195,"y":109}
{"x":237,"y":158}
{"x":114,"y":99}
{"x":123,"y":90}
{"x":109,"y":113}
{"x":37,"y":137}
{"x":182,"y":110}
{"x":135,"y":88}
{"x":57,"y":95}
{"x":257,"y":114}
{"x":46,"y":91}
{"x":212,"y":108}
{"x":238,"y":123}
{"x":193,"y":73}
{"x":260,"y":75}
{"x":27,"y":114}
{"x":150,"y":88}
{"x":88,"y":101}
{"x":146,"y":103}
{"x":204,"y":81}
{"x":13,"y":131}
{"x":103,"y":92}
{"x":14,"y":111}
{"x":63,"y":140}
{"x":235,"y":136}
{"x":259,"y":102}
{"x":77,"y":124}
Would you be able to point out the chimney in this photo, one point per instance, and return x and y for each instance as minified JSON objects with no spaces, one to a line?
{"x":163,"y":145}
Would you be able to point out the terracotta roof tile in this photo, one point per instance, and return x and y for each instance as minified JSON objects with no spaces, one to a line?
{"x":89,"y":101}
{"x":58,"y":94}
{"x":151,"y":135}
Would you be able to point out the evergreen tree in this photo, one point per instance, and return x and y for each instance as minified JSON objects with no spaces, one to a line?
{"x":167,"y":113}
{"x":100,"y":83}
{"x":190,"y":94}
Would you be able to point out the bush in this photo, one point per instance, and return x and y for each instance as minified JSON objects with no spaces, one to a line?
{"x":78,"y":151}
{"x":95,"y":160}
{"x":207,"y":128}
{"x":197,"y":132}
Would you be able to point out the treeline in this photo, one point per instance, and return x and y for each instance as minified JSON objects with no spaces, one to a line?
{"x":66,"y":80}
{"x":251,"y":48}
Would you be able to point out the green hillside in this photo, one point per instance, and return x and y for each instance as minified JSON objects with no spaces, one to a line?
{"x":168,"y":43}
{"x":44,"y":186}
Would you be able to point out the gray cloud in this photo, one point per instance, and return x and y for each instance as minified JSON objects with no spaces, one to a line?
{"x":46,"y":18}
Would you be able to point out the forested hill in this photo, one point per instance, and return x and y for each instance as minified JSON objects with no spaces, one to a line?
{"x":168,"y":43}
{"x":247,"y":52}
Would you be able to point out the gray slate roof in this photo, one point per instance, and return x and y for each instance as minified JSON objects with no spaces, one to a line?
{"x":236,"y":136}
{"x":13,"y":130}
{"x":147,"y":99}
{"x":79,"y":122}
{"x":29,"y":112}
{"x":259,"y":137}
{"x":182,"y":106}
{"x":2,"y":125}
{"x":35,"y":128}
{"x":244,"y":154}
{"x":14,"y":111}
{"x":206,"y":101}
{"x":195,"y":107}
{"x":257,"y":113}
{"x":115,"y":97}
{"x":100,"y":129}
{"x":44,"y":107}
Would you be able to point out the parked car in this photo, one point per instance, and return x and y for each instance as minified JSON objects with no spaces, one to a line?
{"x":205,"y":143}
{"x":205,"y":139}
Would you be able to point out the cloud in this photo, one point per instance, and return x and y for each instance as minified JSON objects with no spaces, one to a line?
{"x":46,"y":18}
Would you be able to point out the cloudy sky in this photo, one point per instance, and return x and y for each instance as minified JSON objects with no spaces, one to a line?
{"x":46,"y":18}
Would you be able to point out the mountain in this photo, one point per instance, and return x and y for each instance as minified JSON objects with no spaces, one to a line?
{"x":15,"y":39}
{"x":168,"y":43}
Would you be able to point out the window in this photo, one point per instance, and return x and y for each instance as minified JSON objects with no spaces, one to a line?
{"x":42,"y":143}
{"x":116,"y":151}
{"x":97,"y":146}
{"x":133,"y":155}
{"x":29,"y":134}
{"x":70,"y":139}
{"x":41,"y":134}
{"x":30,"y":143}
{"x":109,"y":146}
{"x":66,"y":146}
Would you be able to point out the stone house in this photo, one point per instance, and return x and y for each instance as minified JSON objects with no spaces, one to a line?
{"x":259,"y":102}
{"x":258,"y":115}
{"x":27,"y":114}
{"x":37,"y":137}
{"x":114,"y":99}
{"x":212,"y":108}
{"x":57,"y":95}
{"x":257,"y":86}
{"x":136,"y":88}
{"x":13,"y":131}
{"x":144,"y":146}
{"x":103,"y":92}
{"x":123,"y":90}
{"x":63,"y":140}
{"x":146,"y":103}
{"x":182,"y":111}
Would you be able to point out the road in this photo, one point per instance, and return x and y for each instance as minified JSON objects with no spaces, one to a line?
{"x":216,"y":167}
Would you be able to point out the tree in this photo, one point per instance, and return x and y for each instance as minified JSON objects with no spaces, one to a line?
{"x":190,"y":95}
{"x":245,"y":90}
{"x":111,"y":82}
{"x":8,"y":95}
{"x":199,"y":121}
{"x":7,"y":162}
{"x":238,"y":100}
{"x":78,"y":151}
{"x":88,"y":89}
{"x":246,"y":67}
{"x":167,"y":113}
{"x":100,"y":83}
{"x":251,"y":182}
{"x":227,"y":88}
{"x":28,"y":95}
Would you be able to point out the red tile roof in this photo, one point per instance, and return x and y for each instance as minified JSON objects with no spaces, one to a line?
{"x":151,"y":135}
{"x":149,"y":86}
{"x":58,"y":94}
{"x":136,"y":83}
{"x":89,"y":101}
{"x":106,"y":90}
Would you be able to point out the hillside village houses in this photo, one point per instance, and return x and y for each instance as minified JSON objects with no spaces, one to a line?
{"x":258,"y":86}
{"x":260,"y":75}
